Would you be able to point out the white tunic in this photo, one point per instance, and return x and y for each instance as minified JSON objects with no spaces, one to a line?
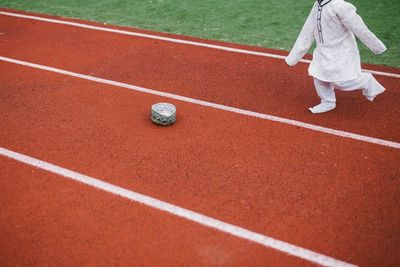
{"x":333,"y":24}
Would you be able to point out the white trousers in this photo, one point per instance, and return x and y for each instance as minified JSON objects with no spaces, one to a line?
{"x":365,"y":82}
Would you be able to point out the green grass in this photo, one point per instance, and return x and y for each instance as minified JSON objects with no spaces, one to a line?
{"x":266,"y":23}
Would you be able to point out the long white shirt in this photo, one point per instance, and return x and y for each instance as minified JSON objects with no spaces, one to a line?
{"x":333,"y":24}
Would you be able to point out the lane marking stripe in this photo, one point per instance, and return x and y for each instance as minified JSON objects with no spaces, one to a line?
{"x":174,"y":40}
{"x":212,"y":105}
{"x":180,"y":212}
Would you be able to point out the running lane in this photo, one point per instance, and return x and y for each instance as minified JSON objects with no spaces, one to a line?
{"x":250,"y":82}
{"x":48,"y":221}
{"x":335,"y":196}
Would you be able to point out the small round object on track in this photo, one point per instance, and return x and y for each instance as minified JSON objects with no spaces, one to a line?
{"x":163,"y":113}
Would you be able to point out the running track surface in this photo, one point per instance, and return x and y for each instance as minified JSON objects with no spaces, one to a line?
{"x":335,"y":196}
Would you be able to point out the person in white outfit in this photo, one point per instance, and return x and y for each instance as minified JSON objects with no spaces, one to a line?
{"x":336,"y":64}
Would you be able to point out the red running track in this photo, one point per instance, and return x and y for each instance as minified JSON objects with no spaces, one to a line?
{"x":332,"y":195}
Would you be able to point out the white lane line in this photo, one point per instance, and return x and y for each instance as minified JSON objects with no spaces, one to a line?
{"x":174,"y":40}
{"x":178,"y":211}
{"x":212,"y":105}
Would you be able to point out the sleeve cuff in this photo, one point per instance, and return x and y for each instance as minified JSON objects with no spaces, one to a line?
{"x":381,"y":50}
{"x":290,"y":61}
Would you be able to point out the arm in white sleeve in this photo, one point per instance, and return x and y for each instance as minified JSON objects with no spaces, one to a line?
{"x":303,"y":42}
{"x":353,"y":22}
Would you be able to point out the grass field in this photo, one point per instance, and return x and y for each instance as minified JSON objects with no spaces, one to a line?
{"x":267,"y":23}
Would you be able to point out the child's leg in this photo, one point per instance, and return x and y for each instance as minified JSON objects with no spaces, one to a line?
{"x":369,"y":85}
{"x":326,"y":92}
